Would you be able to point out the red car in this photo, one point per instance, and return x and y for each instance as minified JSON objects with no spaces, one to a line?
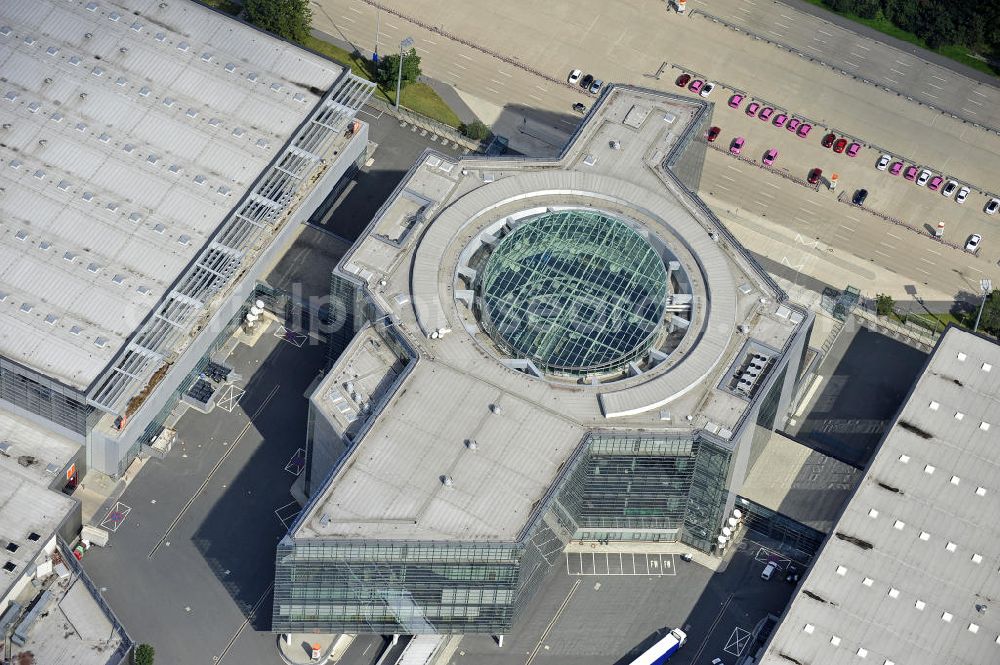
{"x":735,"y":101}
{"x":752,"y":109}
{"x":683,"y":80}
{"x":853,"y":149}
{"x":713,"y":134}
{"x":770,"y":156}
{"x":779,"y":120}
{"x":828,"y":140}
{"x":766,"y":113}
{"x":840,"y":145}
{"x":814,"y":176}
{"x":804,"y":130}
{"x":793,"y":124}
{"x":910,"y":173}
{"x":736,"y":147}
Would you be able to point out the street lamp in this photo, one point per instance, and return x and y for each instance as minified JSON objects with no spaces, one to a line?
{"x":987,"y":287}
{"x":378,"y":28}
{"x":403,"y":45}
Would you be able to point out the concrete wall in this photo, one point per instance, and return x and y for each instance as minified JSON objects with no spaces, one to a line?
{"x":105,"y":449}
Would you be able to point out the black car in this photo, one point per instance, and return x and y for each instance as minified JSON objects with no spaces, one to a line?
{"x":579,"y":108}
{"x":860,"y":196}
{"x":828,"y":140}
{"x":586,"y":81}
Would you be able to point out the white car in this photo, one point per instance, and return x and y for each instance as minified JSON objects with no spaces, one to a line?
{"x":949,"y":189}
{"x":707,"y":89}
{"x":973,"y":244}
{"x":883,"y":162}
{"x":992,"y":206}
{"x":962,"y":194}
{"x":924,"y":176}
{"x":574,"y":76}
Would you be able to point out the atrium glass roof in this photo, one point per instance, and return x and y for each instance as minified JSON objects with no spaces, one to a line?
{"x":574,"y":291}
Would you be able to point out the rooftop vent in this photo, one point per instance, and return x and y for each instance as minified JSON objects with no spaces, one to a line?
{"x":497,"y":409}
{"x":471,"y":444}
{"x":447,"y":481}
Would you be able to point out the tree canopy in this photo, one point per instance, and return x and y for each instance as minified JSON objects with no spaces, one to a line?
{"x":286,"y":18}
{"x":388,"y":68}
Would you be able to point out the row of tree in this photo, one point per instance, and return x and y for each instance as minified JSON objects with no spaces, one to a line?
{"x":969,"y":23}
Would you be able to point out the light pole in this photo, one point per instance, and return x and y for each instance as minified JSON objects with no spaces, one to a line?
{"x":378,"y":28}
{"x":987,"y":287}
{"x":403,"y":45}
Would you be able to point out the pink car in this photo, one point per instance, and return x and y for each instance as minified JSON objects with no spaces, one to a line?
{"x":910,"y":173}
{"x":770,"y":156}
{"x":735,"y":101}
{"x":736,"y":147}
{"x":766,"y":113}
{"x":896,"y":168}
{"x":853,"y":149}
{"x":804,"y":130}
{"x":752,"y":109}
{"x":696,"y":85}
{"x":935,"y":183}
{"x":779,"y":120}
{"x":793,"y":124}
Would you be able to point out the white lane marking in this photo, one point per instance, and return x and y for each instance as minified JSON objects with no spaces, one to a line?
{"x":852,"y":218}
{"x":883,"y":254}
{"x":394,"y":27}
{"x":936,"y":87}
{"x":893,"y":235}
{"x":857,"y":55}
{"x":976,"y":92}
{"x":771,"y":184}
{"x":786,"y":27}
{"x":896,"y":71}
{"x":462,"y":55}
{"x":930,"y":95}
{"x":862,"y":47}
{"x":905,"y":64}
{"x":460,"y":66}
{"x":761,"y":203}
{"x":424,"y":39}
{"x":535,"y":97}
{"x":974,"y":102}
{"x":348,"y":18}
{"x":496,"y":81}
{"x":770,"y":196}
{"x":939,"y":78}
{"x":742,"y":9}
{"x":927,"y":261}
{"x":501,"y":73}
{"x":891,"y":80}
{"x":730,"y":166}
{"x":450,"y":73}
{"x":934,"y":252}
{"x":823,"y":32}
{"x":723,"y":187}
{"x":776,"y":34}
{"x":491,"y":90}
{"x":849,"y":63}
{"x":804,"y":221}
{"x":885,"y":244}
{"x":723,"y":175}
{"x":968,"y":111}
{"x":355,"y":10}
{"x":788,"y":17}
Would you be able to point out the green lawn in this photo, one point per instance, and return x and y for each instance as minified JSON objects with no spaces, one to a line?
{"x":231,"y":8}
{"x":954,"y":52}
{"x":418,"y":97}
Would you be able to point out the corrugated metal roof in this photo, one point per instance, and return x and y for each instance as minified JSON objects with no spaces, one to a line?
{"x":910,"y":573}
{"x":99,"y":111}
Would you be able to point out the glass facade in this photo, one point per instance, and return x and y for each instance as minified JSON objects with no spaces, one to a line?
{"x":44,"y":398}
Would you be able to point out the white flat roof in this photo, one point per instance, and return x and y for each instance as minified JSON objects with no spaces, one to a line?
{"x":909,"y":574}
{"x":131,"y":129}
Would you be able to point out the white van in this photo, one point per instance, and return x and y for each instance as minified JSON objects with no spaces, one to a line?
{"x":768,"y":571}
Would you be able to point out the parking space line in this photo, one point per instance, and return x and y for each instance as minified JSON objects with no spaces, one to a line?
{"x":974,"y":102}
{"x":761,"y":203}
{"x":849,"y":63}
{"x":883,"y":254}
{"x":923,"y":271}
{"x":348,"y":18}
{"x":394,"y":27}
{"x":454,"y":74}
{"x":491,"y":90}
{"x":723,"y":175}
{"x":535,"y":97}
{"x":934,"y":252}
{"x":788,"y":17}
{"x":896,"y":71}
{"x":885,"y":244}
{"x":503,"y":73}
{"x":905,"y":64}
{"x":462,"y":55}
{"x":730,"y":166}
{"x":723,"y":187}
{"x":857,"y":55}
{"x":863,"y":47}
{"x":771,"y":184}
{"x":930,"y":95}
{"x":891,"y":80}
{"x":927,"y":261}
{"x":936,"y":87}
{"x":770,"y":196}
{"x":976,"y":92}
{"x":496,"y":81}
{"x":847,"y":238}
{"x":893,"y":235}
{"x":823,"y":32}
{"x":976,"y":269}
{"x":804,"y":221}
{"x":355,"y":10}
{"x":939,"y":78}
{"x":782,"y":25}
{"x":969,"y":111}
{"x":855,"y":219}
{"x":462,"y":67}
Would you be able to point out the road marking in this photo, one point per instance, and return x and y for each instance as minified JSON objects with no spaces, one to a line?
{"x":976,"y":269}
{"x":782,"y":25}
{"x":548,"y":628}
{"x":936,"y":87}
{"x":770,"y":196}
{"x":776,"y":34}
{"x":883,"y":254}
{"x":723,"y":175}
{"x":788,"y":17}
{"x":462,"y":67}
{"x":742,"y":9}
{"x":932,"y":251}
{"x":857,"y":55}
{"x":424,"y":39}
{"x":968,"y":111}
{"x":976,"y":92}
{"x":394,"y":27}
{"x":541,"y":88}
{"x":885,"y":244}
{"x":348,"y":18}
{"x":730,"y":166}
{"x":496,"y":81}
{"x":723,"y":187}
{"x":896,"y":71}
{"x":502,"y":73}
{"x":939,"y":78}
{"x":535,"y":97}
{"x":355,"y":10}
{"x":927,"y":261}
{"x":891,"y":80}
{"x":893,"y":235}
{"x":822,"y":32}
{"x":837,"y":235}
{"x":905,"y":64}
{"x":844,"y":226}
{"x":853,"y":219}
{"x":804,"y":221}
{"x":862,"y":47}
{"x":974,"y":102}
{"x":208,"y":478}
{"x":491,"y":90}
{"x":817,"y":39}
{"x":771,"y":184}
{"x":453,"y":74}
{"x":462,"y":55}
{"x":923,"y":271}
{"x":246,"y":622}
{"x":849,"y":63}
{"x":761,"y":203}
{"x":930,"y":95}
{"x":811,"y":202}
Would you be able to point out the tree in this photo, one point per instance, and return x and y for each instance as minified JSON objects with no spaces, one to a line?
{"x":144,"y":654}
{"x":884,"y":304}
{"x":388,"y":68}
{"x":475,"y":130}
{"x":286,"y":18}
{"x":990,"y":320}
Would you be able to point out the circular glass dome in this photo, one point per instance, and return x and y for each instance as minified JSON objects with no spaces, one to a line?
{"x":574,"y":291}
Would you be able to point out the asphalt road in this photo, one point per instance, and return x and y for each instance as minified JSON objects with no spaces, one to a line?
{"x":845,"y":49}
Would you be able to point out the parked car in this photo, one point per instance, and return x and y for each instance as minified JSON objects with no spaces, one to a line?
{"x":779,"y":120}
{"x":696,"y":85}
{"x":586,"y":81}
{"x":896,"y":168}
{"x":793,"y":124}
{"x":859,"y":197}
{"x":962,"y":194}
{"x":972,"y":245}
{"x":924,"y":176}
{"x":683,"y":80}
{"x":768,"y":571}
{"x":595,"y":87}
{"x":992,"y":206}
{"x":804,"y":130}
{"x":735,"y":101}
{"x":707,"y":90}
{"x":574,"y":76}
{"x":853,"y":149}
{"x":949,"y":188}
{"x":828,"y":140}
{"x":839,"y":146}
{"x":883,"y":162}
{"x":765,"y":113}
{"x":814,"y":175}
{"x":770,"y":156}
{"x":752,"y":109}
{"x":910,"y":173}
{"x":935,"y":183}
{"x":713,"y":133}
{"x":736,"y":147}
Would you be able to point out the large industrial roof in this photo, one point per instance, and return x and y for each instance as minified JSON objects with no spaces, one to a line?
{"x":909,"y":575}
{"x":443,"y":426}
{"x":130,"y":130}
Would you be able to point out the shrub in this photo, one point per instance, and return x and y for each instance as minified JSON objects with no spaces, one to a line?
{"x":144,"y":654}
{"x":475,"y":130}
